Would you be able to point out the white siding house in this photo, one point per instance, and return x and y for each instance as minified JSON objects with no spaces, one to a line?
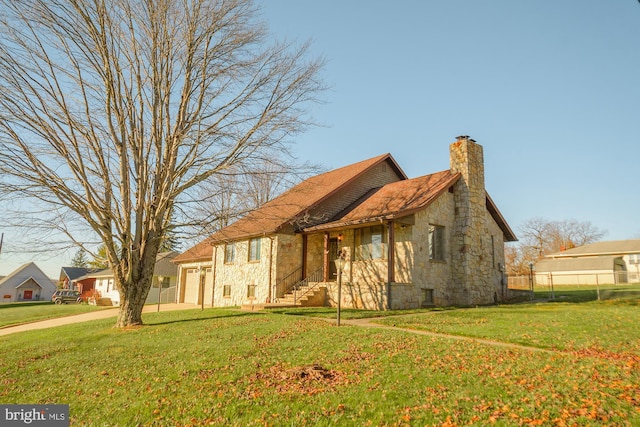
{"x":163,"y":286}
{"x":27,"y":283}
{"x":614,"y":261}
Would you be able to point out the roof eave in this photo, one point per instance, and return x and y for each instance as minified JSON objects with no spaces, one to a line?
{"x":363,"y":222}
{"x":509,"y":235}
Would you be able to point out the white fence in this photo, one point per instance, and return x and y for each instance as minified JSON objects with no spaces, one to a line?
{"x":168,"y":295}
{"x":573,"y":279}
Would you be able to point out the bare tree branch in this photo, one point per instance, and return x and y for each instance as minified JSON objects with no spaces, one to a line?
{"x":114,"y":113}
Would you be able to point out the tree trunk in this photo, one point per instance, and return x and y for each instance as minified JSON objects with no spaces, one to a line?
{"x":132,"y":298}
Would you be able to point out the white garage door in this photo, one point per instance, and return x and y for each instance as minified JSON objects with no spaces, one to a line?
{"x":191,"y":286}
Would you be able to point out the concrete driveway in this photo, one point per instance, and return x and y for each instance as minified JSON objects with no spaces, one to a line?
{"x":84,"y":317}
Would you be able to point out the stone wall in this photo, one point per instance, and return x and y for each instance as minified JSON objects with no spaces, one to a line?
{"x":426,"y":273}
{"x":287,"y":255}
{"x":242,"y":273}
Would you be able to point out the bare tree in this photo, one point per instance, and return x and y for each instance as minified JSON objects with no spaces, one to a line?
{"x":244,"y":188}
{"x":114,"y":113}
{"x":540,"y":237}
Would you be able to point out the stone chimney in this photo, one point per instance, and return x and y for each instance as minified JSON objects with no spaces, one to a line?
{"x":467,"y":158}
{"x":469,"y":247}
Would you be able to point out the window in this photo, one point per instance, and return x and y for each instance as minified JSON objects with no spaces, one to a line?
{"x":427,"y":297}
{"x":226,"y":291}
{"x":230,"y":253}
{"x":254,"y":249}
{"x":436,"y":243}
{"x":371,"y":243}
{"x":251,"y":291}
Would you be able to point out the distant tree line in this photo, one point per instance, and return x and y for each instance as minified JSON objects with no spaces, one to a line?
{"x":539,"y":237}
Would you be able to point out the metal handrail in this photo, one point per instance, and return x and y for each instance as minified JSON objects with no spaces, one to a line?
{"x":286,"y":284}
{"x":315,"y":278}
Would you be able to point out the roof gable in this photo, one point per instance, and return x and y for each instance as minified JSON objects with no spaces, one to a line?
{"x":284,"y":210}
{"x":610,"y":247}
{"x":24,"y":272}
{"x":395,"y":200}
{"x":72,"y":273}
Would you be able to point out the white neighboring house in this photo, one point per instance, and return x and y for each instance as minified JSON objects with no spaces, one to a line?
{"x":27,"y":283}
{"x":164,"y":275}
{"x":614,"y":261}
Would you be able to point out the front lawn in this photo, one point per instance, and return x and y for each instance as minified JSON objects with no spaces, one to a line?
{"x":228,"y":367}
{"x":610,"y":326}
{"x":26,"y":312}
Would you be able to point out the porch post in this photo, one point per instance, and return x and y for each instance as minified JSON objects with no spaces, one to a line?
{"x":325,"y":262}
{"x":304,"y":256}
{"x":391,"y":272}
{"x":270,"y":296}
{"x":213,"y":274}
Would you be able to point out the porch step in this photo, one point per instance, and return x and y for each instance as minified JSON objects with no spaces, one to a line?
{"x":311,"y":298}
{"x":256,"y":307}
{"x":101,"y":302}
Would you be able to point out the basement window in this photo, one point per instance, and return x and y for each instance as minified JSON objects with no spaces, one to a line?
{"x":251,"y":291}
{"x":226,"y":291}
{"x":427,"y":297}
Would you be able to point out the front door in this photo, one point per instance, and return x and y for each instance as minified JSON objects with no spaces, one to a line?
{"x":333,"y":255}
{"x":27,"y":295}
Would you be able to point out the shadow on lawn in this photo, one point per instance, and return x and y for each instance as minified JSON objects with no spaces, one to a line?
{"x":151,"y":322}
{"x":24,"y":304}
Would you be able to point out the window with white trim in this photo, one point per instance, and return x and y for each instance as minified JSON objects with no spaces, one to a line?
{"x":371,"y":243}
{"x":230,"y":253}
{"x":436,"y":242}
{"x":254,"y":249}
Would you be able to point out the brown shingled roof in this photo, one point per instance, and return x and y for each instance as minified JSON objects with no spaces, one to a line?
{"x":282,"y":211}
{"x":395,"y":200}
{"x":200,"y":252}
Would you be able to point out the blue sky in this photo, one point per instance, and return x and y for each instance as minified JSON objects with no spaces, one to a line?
{"x":550,"y":88}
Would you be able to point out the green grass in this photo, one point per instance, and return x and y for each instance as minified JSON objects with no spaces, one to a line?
{"x":595,"y":326}
{"x":228,"y":367}
{"x":25,"y":312}
{"x":331,"y":313}
{"x":584,"y":293}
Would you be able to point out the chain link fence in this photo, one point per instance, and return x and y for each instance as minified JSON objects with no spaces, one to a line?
{"x":601,"y":285}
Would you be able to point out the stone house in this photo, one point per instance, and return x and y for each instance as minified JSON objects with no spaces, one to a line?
{"x":403,"y":243}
